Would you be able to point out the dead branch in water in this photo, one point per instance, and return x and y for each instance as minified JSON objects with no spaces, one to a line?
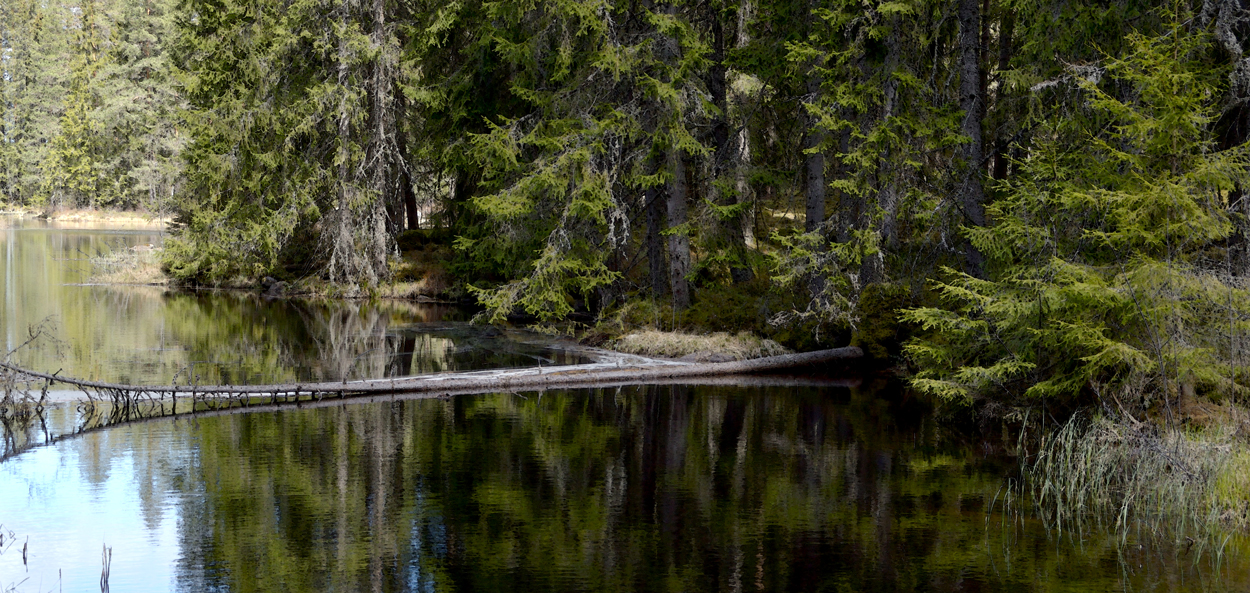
{"x":636,"y":370}
{"x":110,"y":404}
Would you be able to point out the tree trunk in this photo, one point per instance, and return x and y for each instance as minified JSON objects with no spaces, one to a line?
{"x":377,"y":236}
{"x":813,"y":138}
{"x":1006,"y":30}
{"x":360,"y":243}
{"x":341,"y":248}
{"x":407,"y":196}
{"x":850,"y":205}
{"x":678,"y":240}
{"x":655,"y":247}
{"x":731,"y":151}
{"x":813,"y":163}
{"x":872,"y":268}
{"x":624,"y":370}
{"x":972,"y":194}
{"x":739,"y":228}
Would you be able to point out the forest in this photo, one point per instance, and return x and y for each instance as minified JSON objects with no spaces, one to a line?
{"x":1020,"y":200}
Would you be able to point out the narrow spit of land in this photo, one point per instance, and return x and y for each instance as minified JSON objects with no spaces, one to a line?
{"x":610,"y":369}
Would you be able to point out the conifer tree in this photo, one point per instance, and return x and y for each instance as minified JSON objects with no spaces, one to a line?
{"x":292,"y":128}
{"x":610,"y":96}
{"x":35,"y":67}
{"x":72,"y":169}
{"x":139,"y":105}
{"x":1103,"y":280}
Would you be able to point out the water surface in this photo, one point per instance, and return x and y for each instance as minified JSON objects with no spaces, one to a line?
{"x":149,"y":335}
{"x":822,"y":485}
{"x":634,"y":489}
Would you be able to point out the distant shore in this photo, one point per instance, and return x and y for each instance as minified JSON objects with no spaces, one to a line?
{"x":129,"y":218}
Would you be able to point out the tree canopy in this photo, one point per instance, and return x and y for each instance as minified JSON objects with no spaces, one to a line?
{"x":1053,"y":191}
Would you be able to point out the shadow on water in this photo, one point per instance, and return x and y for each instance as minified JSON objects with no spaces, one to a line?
{"x":646,"y":488}
{"x":780,"y":483}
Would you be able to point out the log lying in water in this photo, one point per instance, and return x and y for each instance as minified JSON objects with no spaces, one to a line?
{"x":621,"y":371}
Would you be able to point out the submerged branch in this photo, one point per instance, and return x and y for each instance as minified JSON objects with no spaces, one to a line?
{"x":109,"y":404}
{"x":621,"y":371}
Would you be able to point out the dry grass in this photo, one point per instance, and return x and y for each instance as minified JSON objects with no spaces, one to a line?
{"x":420,"y":273}
{"x":1186,"y":486}
{"x":128,"y":267}
{"x":112,"y":217}
{"x":432,"y":286}
{"x":717,"y":347}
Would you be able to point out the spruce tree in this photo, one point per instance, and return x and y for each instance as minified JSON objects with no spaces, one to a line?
{"x":36,"y":70}
{"x":1106,"y":274}
{"x":293,"y":157}
{"x":73,"y":168}
{"x":139,"y":104}
{"x":611,"y":98}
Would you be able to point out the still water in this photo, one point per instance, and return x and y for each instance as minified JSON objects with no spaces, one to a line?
{"x":148,"y":335}
{"x":851,"y":486}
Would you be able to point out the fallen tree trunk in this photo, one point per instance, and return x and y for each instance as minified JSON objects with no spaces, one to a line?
{"x":111,"y":404}
{"x":640,"y":370}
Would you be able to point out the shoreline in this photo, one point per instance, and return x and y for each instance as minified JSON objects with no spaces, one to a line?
{"x":129,"y":218}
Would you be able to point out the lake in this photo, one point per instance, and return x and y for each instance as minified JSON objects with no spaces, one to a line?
{"x":820,"y":483}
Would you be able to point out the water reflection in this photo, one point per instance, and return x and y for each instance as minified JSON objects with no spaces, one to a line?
{"x":147,"y":335}
{"x":639,"y":489}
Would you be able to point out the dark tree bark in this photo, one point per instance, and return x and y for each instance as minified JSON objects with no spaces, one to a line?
{"x":1229,"y":21}
{"x":412,"y":216}
{"x":813,"y":164}
{"x":408,"y":197}
{"x":1005,"y":32}
{"x":972,"y":193}
{"x":730,"y":150}
{"x":872,"y":269}
{"x":716,"y":87}
{"x":850,"y":206}
{"x":678,"y":242}
{"x":655,"y":245}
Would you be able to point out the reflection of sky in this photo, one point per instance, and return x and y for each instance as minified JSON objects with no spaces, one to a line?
{"x":72,"y":499}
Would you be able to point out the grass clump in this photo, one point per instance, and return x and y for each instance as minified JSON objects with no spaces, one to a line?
{"x":421,"y":270}
{"x":1191,"y":487}
{"x":715,"y":347}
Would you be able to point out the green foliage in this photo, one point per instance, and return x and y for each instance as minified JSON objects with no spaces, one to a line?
{"x":1101,"y":278}
{"x":601,"y":104}
{"x":89,"y":107}
{"x":289,"y":122}
{"x":880,"y":332}
{"x":35,"y":50}
{"x":828,"y":271}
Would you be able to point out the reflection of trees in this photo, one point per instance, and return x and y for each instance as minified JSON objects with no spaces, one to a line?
{"x":648,"y":488}
{"x":145,"y":335}
{"x":352,"y":341}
